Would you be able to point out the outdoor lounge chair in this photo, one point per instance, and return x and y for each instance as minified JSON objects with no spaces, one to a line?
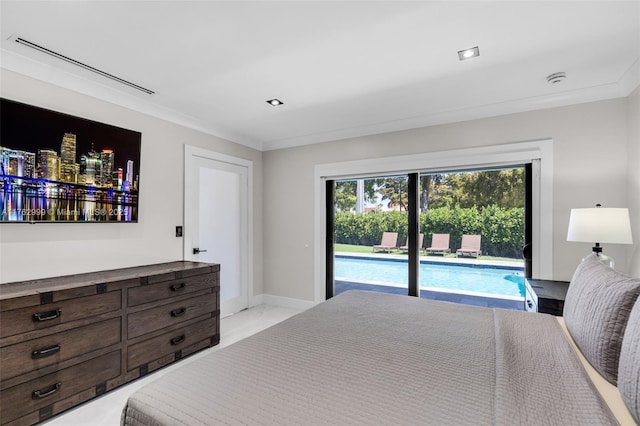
{"x":406,"y":246}
{"x":439,"y":244}
{"x":470,"y":246}
{"x":389,"y":242}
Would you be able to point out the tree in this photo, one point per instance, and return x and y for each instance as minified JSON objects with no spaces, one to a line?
{"x":504,"y":188}
{"x":425,"y":183}
{"x":345,"y":196}
{"x":394,"y":189}
{"x":429,"y":184}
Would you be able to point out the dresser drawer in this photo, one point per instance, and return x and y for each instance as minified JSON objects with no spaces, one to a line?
{"x":39,"y":353}
{"x":42,"y":316}
{"x":65,"y":340}
{"x":174,"y":341}
{"x":46,"y":390}
{"x":151,"y":293}
{"x":157,"y":318}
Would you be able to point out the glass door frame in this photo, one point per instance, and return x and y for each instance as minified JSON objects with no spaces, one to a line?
{"x":538,"y":153}
{"x":413,"y":228}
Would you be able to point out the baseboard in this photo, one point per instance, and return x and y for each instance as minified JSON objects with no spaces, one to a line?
{"x":285,"y":302}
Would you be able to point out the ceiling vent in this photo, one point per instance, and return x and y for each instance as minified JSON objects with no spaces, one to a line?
{"x":556,"y":77}
{"x":81,"y":65}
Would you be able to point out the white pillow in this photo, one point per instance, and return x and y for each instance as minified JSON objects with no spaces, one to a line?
{"x":629,"y":369}
{"x":596,"y":311}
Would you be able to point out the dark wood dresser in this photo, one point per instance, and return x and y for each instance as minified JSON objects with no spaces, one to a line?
{"x":65,"y":340}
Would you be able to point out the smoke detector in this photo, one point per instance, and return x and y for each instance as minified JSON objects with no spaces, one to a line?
{"x":556,"y":77}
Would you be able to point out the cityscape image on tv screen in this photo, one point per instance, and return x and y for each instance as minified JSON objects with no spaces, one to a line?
{"x":56,"y":167}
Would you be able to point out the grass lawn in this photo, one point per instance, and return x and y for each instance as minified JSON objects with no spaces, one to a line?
{"x":348,"y":248}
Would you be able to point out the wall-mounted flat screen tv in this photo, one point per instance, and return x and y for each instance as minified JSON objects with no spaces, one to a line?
{"x":56,"y":167}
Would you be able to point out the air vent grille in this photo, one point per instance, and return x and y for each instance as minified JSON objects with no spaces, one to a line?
{"x":82,"y":65}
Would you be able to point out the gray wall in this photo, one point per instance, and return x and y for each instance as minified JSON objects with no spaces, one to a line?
{"x":45,"y":250}
{"x":633,"y":121}
{"x":596,"y":157}
{"x":591,"y":145}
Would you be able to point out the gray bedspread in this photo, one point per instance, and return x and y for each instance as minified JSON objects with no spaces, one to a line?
{"x":380,"y":359}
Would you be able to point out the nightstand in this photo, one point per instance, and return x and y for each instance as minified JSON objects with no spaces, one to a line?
{"x":545,"y":296}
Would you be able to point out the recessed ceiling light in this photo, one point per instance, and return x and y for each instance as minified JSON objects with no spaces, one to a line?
{"x":469,"y":53}
{"x":556,"y":77}
{"x":274,"y":102}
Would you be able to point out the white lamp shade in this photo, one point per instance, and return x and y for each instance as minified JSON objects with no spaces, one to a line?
{"x":600,"y":225}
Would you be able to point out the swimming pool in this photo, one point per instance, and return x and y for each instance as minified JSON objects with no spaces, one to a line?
{"x":437,"y":276}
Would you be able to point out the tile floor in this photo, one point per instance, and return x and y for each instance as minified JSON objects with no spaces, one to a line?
{"x":105,"y":410}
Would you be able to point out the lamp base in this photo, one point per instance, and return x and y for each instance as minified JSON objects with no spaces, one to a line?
{"x":601,"y":257}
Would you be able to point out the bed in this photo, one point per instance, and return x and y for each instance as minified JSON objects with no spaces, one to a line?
{"x":372,"y":358}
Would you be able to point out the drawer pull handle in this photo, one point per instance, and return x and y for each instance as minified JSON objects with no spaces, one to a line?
{"x":178,"y":312}
{"x":178,"y":340}
{"x":43,"y":393}
{"x":46,"y":316}
{"x":178,"y":287}
{"x":42,"y":353}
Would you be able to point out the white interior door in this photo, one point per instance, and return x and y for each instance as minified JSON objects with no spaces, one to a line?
{"x":216,"y":228}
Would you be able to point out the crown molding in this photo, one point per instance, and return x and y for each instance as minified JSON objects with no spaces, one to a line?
{"x":112,"y":93}
{"x":123,"y":96}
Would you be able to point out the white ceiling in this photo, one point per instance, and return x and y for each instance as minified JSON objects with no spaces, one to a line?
{"x":342,"y":68}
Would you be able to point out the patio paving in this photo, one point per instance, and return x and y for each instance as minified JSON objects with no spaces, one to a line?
{"x":467,"y":299}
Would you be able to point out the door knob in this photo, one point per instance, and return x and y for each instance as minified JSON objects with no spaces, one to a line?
{"x":196,"y":250}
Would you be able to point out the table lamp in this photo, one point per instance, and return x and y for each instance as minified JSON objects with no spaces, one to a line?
{"x":600,"y":225}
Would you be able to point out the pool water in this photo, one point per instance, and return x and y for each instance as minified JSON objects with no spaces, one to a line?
{"x":434,"y":276}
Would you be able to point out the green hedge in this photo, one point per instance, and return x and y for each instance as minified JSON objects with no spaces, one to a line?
{"x":502,"y":229}
{"x":366,"y":229}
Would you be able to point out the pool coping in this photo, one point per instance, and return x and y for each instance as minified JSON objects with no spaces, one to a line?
{"x":432,"y":259}
{"x":478,"y":263}
{"x":434,"y":289}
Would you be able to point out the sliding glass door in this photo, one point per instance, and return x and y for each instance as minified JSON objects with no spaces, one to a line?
{"x":367,"y":229}
{"x":407,"y":234}
{"x":474,"y":224}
